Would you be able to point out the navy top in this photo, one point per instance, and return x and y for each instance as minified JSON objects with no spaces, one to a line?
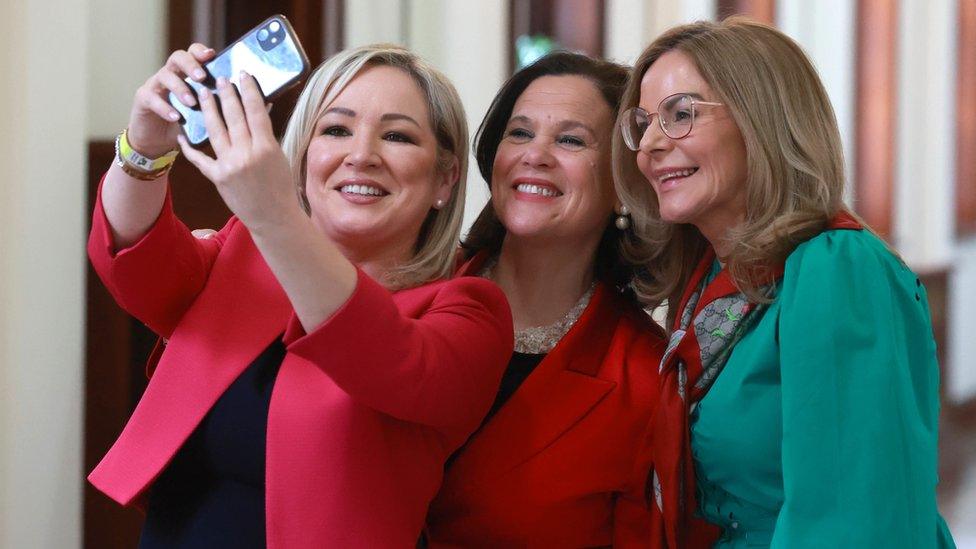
{"x":212,"y":492}
{"x":519,"y":368}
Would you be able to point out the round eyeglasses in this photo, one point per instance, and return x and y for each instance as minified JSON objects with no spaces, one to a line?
{"x":675,"y":113}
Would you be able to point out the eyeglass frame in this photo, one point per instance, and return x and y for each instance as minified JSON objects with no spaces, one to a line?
{"x":660,"y":120}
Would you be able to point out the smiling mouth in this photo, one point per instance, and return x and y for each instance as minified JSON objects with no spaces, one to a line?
{"x":674,"y":175}
{"x":362,"y":190}
{"x":538,"y":190}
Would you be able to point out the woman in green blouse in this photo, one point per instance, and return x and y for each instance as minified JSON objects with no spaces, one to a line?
{"x":799,"y":401}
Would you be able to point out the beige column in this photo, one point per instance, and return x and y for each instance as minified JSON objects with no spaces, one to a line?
{"x":43,"y":59}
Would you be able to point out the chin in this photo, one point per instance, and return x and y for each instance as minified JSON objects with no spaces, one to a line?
{"x":525,"y":228}
{"x":676,"y":218}
{"x":672,"y":212}
{"x":342,"y":227}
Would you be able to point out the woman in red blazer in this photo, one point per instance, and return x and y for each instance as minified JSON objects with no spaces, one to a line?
{"x":558,"y":461}
{"x":320,"y":369}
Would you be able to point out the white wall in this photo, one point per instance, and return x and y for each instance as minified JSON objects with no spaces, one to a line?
{"x":468,"y":41}
{"x":42,"y":166}
{"x":924,"y":225}
{"x":825,"y":30}
{"x":127,"y":42}
{"x":961,"y":354}
{"x":628,"y":29}
{"x":465,"y":40}
{"x":372,"y":21}
{"x":632,"y":24}
{"x":925,"y":169}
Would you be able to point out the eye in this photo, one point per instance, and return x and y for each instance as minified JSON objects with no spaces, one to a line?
{"x":682,"y":115}
{"x":519,"y":135}
{"x":336,"y":131}
{"x":397,"y":137}
{"x":571,"y":141}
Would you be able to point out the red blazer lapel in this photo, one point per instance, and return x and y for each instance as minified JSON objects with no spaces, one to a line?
{"x":239,"y":313}
{"x":561,"y":391}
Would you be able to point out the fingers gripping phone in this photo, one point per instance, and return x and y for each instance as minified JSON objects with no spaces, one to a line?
{"x":270,"y":52}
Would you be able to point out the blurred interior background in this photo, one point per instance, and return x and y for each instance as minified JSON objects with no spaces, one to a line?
{"x":901,"y":75}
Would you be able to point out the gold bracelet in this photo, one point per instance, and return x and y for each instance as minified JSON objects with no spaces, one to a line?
{"x":138,"y":166}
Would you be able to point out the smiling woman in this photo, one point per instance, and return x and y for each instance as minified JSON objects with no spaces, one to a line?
{"x":354,"y":201}
{"x":799,"y":400}
{"x":320,"y":368}
{"x":417,"y":131}
{"x":558,"y":461}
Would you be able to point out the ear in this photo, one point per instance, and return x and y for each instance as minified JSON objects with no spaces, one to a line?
{"x":446,"y":179}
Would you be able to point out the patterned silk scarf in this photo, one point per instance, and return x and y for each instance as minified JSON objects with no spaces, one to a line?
{"x":713,"y":318}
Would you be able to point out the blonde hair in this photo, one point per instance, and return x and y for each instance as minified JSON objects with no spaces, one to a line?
{"x":434,"y":251}
{"x":794,"y":158}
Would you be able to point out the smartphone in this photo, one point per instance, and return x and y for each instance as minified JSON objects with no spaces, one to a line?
{"x":270,"y":52}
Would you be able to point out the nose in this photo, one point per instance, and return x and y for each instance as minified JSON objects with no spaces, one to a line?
{"x":538,"y":155}
{"x":363,"y":152}
{"x":654,"y":139}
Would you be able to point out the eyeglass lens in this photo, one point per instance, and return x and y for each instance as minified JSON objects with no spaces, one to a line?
{"x":676,"y":114}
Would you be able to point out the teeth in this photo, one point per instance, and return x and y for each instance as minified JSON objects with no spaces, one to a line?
{"x":361,"y":189}
{"x":678,"y":173}
{"x":536,"y":189}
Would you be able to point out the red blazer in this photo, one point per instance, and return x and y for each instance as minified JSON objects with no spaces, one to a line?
{"x":559,"y":464}
{"x":364,"y":411}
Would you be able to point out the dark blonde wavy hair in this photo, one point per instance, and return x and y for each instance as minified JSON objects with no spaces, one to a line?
{"x":795,"y":163}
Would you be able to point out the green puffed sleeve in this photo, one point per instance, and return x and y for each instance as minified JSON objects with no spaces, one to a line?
{"x":860,"y":399}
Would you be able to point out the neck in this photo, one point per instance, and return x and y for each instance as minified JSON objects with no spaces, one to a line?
{"x":716,"y":232}
{"x":543,"y":281}
{"x":376,"y":263}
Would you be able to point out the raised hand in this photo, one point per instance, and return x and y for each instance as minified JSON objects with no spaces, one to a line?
{"x":250,"y":170}
{"x":153,"y":121}
{"x":130,"y":205}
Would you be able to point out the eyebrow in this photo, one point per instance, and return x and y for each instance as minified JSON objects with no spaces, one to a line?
{"x":385,"y":118}
{"x":675,"y":96}
{"x":399,"y":116}
{"x":563,"y":124}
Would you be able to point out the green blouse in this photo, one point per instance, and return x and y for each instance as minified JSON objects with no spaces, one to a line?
{"x":821,"y":430}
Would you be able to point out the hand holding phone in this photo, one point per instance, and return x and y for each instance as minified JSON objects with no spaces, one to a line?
{"x":248,"y":167}
{"x":270,"y":52}
{"x":153,"y":122}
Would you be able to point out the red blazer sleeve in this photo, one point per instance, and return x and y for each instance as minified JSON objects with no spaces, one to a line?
{"x":441,"y":368}
{"x":157,"y":278}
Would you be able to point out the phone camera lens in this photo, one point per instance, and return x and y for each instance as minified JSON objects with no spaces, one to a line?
{"x":271,"y":35}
